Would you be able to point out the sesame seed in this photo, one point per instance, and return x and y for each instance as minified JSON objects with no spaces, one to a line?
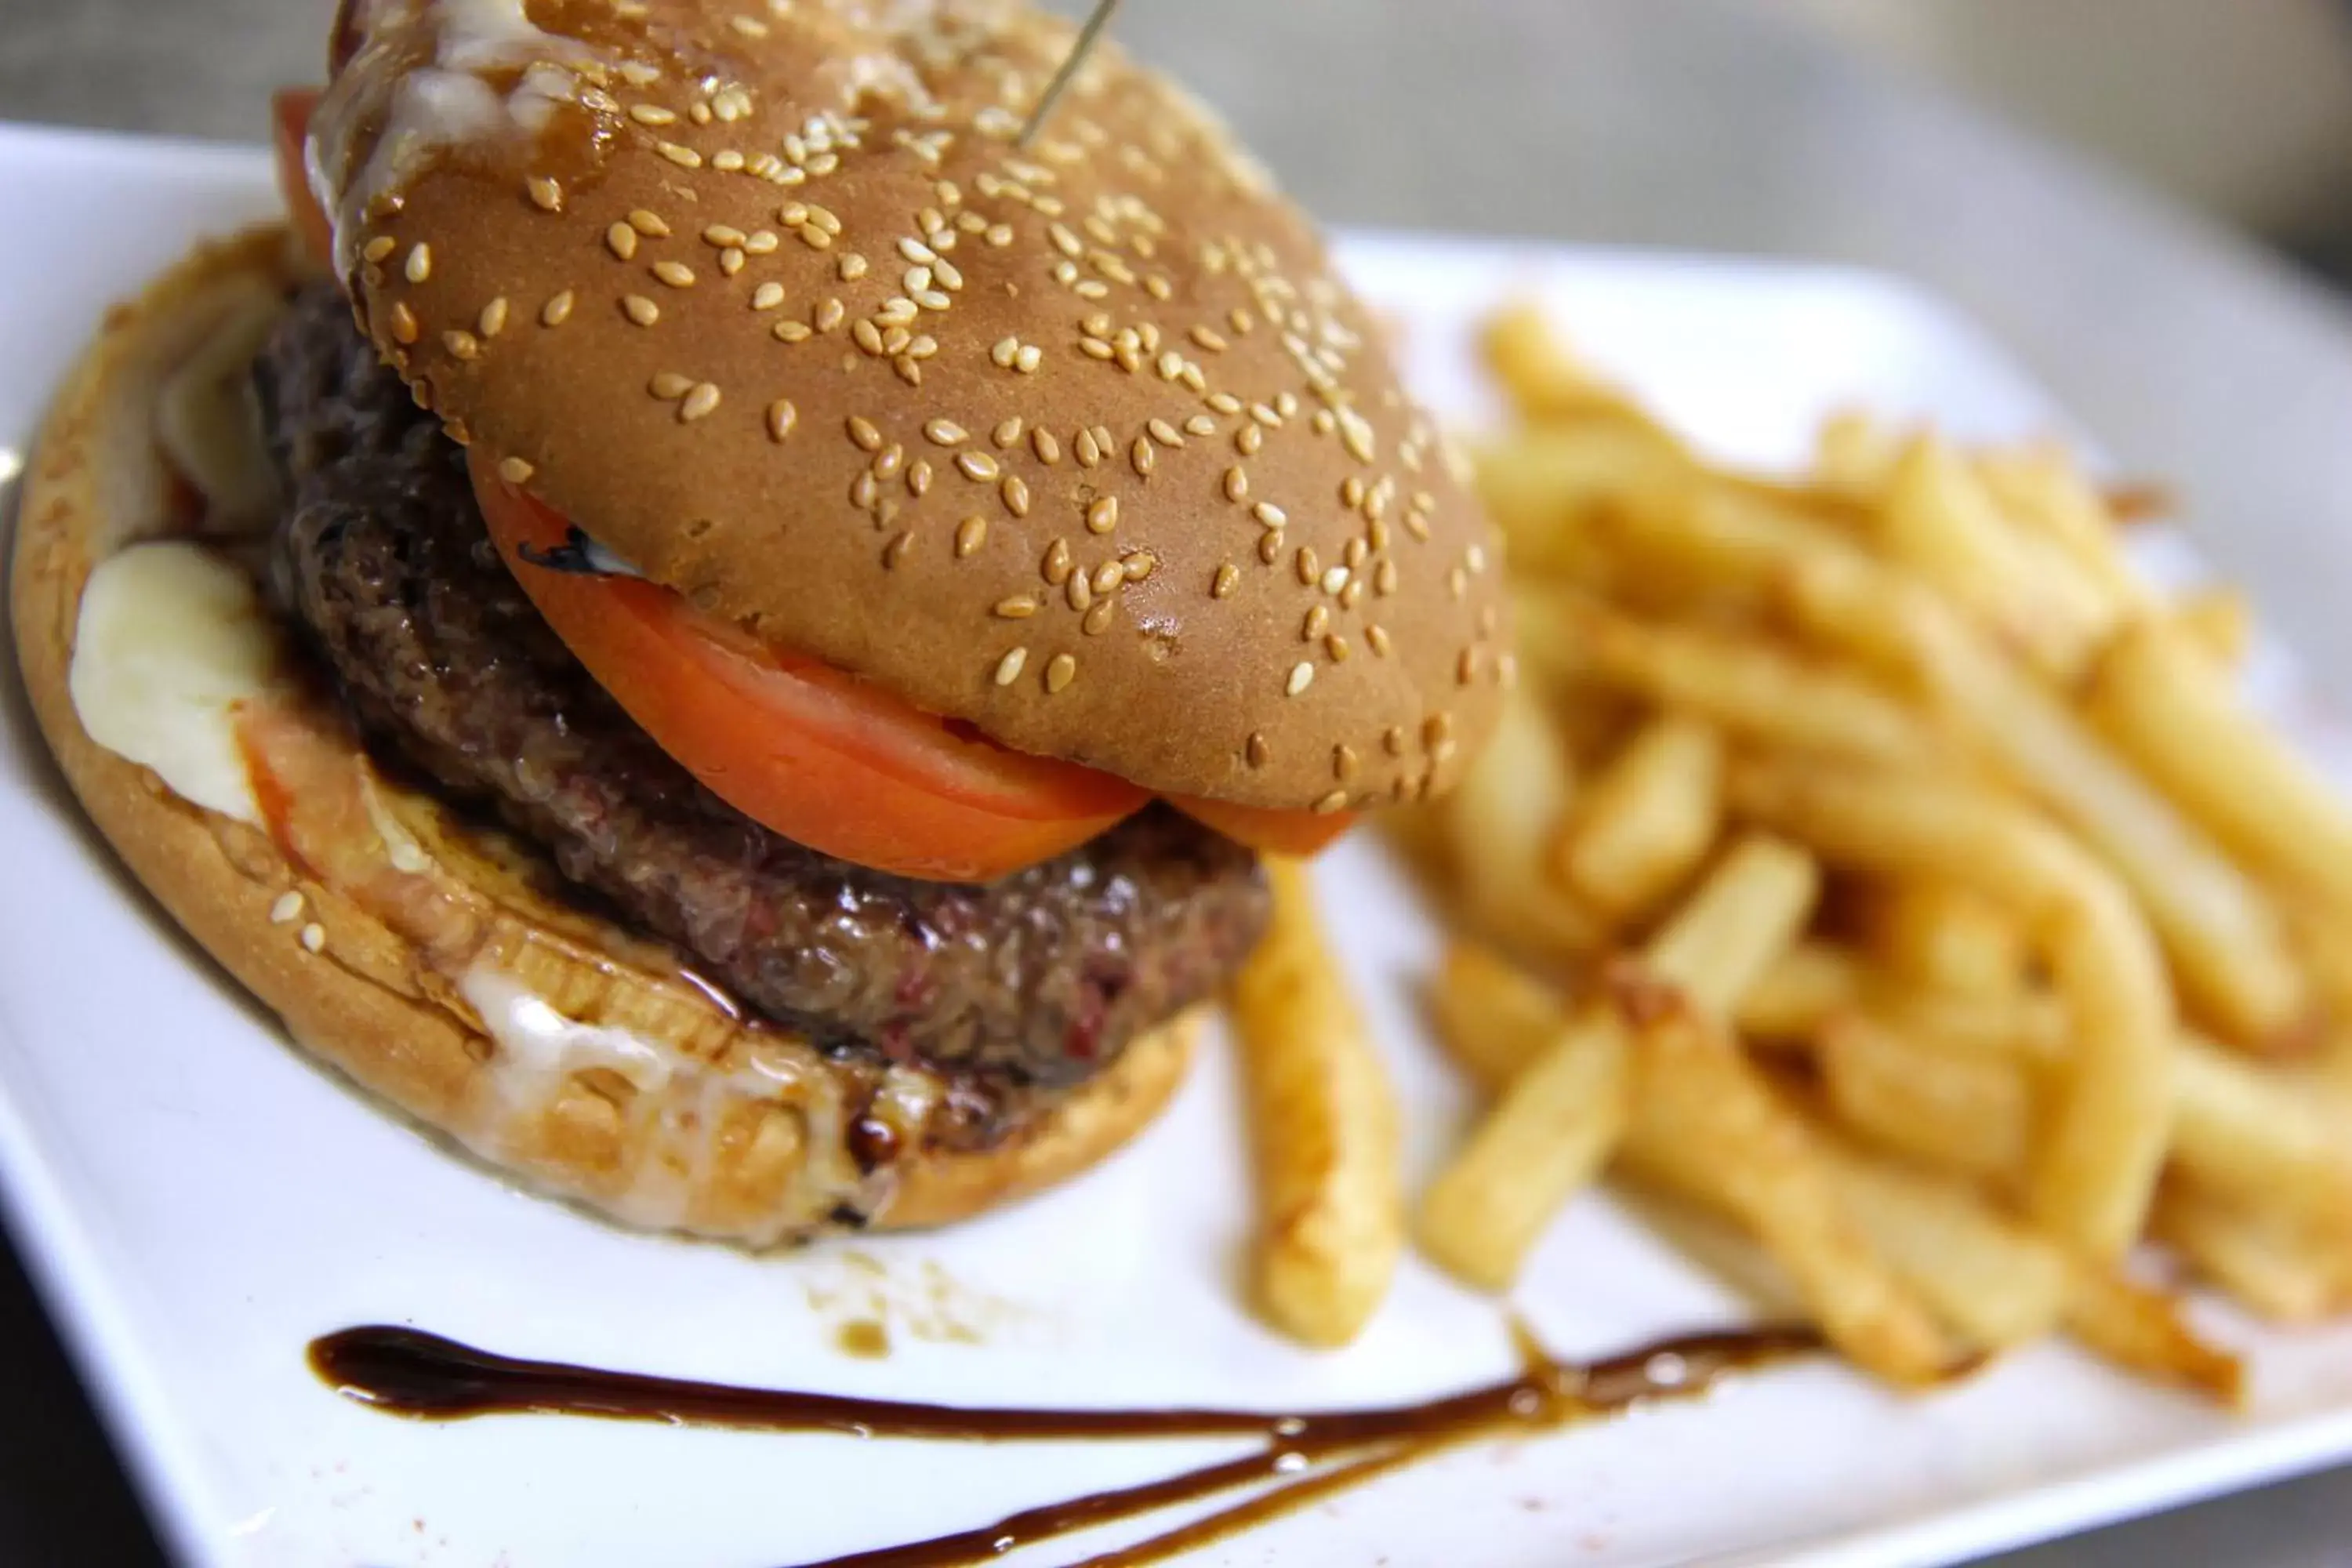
{"x":862,"y":430}
{"x":1103,"y":515}
{"x":515,"y":470}
{"x":1335,"y":802}
{"x":999,"y":234}
{"x":917,"y":280}
{"x":1466,"y":668}
{"x":1060,"y":671}
{"x":730,"y":261}
{"x":767,"y":295}
{"x":652,"y":114}
{"x":1378,"y":637}
{"x":1318,"y":619}
{"x":1027,"y":361}
{"x":1095,"y":348}
{"x":1015,"y":491}
{"x":727,"y":161}
{"x":886,"y":461}
{"x":493,"y":319}
{"x":867,"y":336}
{"x":287,"y":908}
{"x":1392,"y":740}
{"x":419,"y":265}
{"x":314,"y":937}
{"x":789,"y":332}
{"x":1079,"y":591}
{"x":1142,"y":457}
{"x":1109,"y":576}
{"x":699,"y":113}
{"x":1302,"y":675}
{"x":863,"y":491}
{"x":669,"y":385}
{"x":1309,"y":567}
{"x":1003,"y":350}
{"x":1164,"y":432}
{"x":978,"y":467}
{"x":918,"y":478}
{"x":1007,"y":431}
{"x":1200,"y":425}
{"x":1019,"y":607}
{"x":677,"y":274}
{"x":1335,"y":579}
{"x":781,"y":418}
{"x":557,"y":310}
{"x":829,"y":315}
{"x":763,"y":242}
{"x":1008,"y":668}
{"x":1352,"y":595}
{"x":622,"y":241}
{"x":946,"y":432}
{"x":1090,"y":454}
{"x":750,"y":27}
{"x":461,"y":345}
{"x":823,"y":219}
{"x":1227,"y":579}
{"x":1224,"y":402}
{"x":1057,"y":567}
{"x":971,"y":534}
{"x":684,"y":157}
{"x":1457,"y":581}
{"x":1336,"y":647}
{"x":1415,"y":525}
{"x":1268,"y":514}
{"x":1042,"y":442}
{"x":697,"y":403}
{"x":648,"y":223}
{"x":642,"y":311}
{"x":379,"y":248}
{"x":1256,"y":749}
{"x":1354,"y":553}
{"x":1269,"y":546}
{"x":896,"y":551}
{"x":1248,"y":439}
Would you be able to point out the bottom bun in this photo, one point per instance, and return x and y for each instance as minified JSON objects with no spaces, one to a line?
{"x":433,"y":961}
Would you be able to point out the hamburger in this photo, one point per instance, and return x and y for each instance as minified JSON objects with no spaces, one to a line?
{"x":713,"y":624}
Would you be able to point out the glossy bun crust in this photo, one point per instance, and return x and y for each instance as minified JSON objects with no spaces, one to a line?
{"x":1082,"y":442}
{"x":744,"y":1135}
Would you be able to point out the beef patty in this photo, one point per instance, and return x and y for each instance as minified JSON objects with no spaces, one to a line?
{"x":1018,"y":988}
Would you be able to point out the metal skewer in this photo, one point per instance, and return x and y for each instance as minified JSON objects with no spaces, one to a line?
{"x":1079,"y":48}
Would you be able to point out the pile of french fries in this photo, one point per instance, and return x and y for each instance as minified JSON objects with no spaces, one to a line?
{"x":1880,"y":862}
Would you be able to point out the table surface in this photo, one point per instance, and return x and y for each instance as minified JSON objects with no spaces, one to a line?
{"x":1698,"y":124}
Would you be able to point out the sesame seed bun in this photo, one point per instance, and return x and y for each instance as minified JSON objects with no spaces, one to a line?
{"x":362,"y":939}
{"x":1081,"y":442}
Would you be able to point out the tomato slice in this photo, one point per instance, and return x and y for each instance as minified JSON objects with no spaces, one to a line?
{"x":289,"y":113}
{"x":823,"y":758}
{"x":1297,"y":833}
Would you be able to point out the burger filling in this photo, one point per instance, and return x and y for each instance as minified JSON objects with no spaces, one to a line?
{"x":1016,"y":989}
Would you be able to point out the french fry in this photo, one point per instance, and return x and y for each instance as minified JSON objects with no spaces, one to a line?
{"x":1648,"y":820}
{"x":1956,"y":1111}
{"x":2042,"y":491}
{"x":2275,"y":1267}
{"x":2110,"y":1109}
{"x":1744,"y":684}
{"x":1708,"y":1126}
{"x":1500,"y":823}
{"x":1940,"y":519}
{"x":1564,"y":1103}
{"x":2226,"y":941}
{"x":1855,"y":451}
{"x":2262,"y":1138}
{"x":1805,"y":986}
{"x":1491,"y":1016}
{"x":1323,"y":1129}
{"x":1545,"y":1138}
{"x":2219,"y":622}
{"x":1542,"y":487}
{"x":2146,"y":1330}
{"x":1946,"y":938}
{"x":1991,"y":1280}
{"x":2168,"y":707}
{"x":1541,"y":376}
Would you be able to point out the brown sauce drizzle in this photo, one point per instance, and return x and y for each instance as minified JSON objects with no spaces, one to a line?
{"x":405,"y":1371}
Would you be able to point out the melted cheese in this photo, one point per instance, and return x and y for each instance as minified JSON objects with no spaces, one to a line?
{"x":443,"y":99}
{"x":170,"y":638}
{"x":209,"y":423}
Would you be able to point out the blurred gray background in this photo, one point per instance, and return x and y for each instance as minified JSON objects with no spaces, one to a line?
{"x":2141,"y":198}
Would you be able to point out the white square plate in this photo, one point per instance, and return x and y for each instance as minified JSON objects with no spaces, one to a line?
{"x":199,"y":1201}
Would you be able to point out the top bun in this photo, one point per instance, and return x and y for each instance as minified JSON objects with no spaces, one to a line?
{"x":1081,"y":442}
